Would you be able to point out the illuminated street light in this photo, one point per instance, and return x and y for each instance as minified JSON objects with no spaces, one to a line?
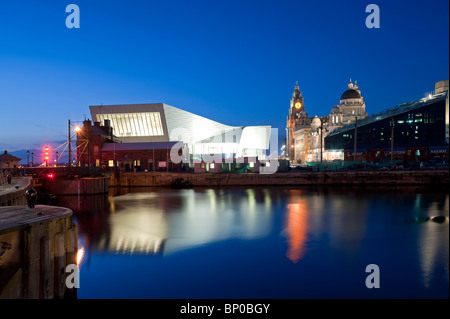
{"x":46,"y":156}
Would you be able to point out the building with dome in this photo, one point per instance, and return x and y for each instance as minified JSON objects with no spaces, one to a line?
{"x":407,"y":133}
{"x":351,"y":105}
{"x":305,"y":135}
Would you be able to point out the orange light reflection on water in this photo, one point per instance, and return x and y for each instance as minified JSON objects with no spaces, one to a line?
{"x":296,"y":230}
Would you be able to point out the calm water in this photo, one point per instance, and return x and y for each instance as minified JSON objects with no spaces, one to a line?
{"x":262,"y":243}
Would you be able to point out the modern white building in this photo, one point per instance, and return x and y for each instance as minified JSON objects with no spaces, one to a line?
{"x":205,"y":139}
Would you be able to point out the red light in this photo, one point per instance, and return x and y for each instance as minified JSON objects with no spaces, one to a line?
{"x":50,"y":176}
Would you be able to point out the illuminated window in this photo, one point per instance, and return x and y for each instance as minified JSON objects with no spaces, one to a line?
{"x":251,"y":164}
{"x":134,"y":124}
{"x":111,"y":163}
{"x":212,"y":165}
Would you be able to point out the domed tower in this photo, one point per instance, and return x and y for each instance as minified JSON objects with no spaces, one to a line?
{"x":352,"y":104}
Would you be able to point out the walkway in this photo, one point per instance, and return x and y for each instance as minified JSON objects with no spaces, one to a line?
{"x":16,"y":183}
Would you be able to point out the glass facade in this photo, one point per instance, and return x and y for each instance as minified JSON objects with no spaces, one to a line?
{"x":134,"y":124}
{"x":421,"y":126}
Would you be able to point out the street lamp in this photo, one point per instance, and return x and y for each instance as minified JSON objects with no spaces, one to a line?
{"x":46,"y":156}
{"x":320,"y":131}
{"x":32,"y":159}
{"x":87,"y":137}
{"x":28,"y":158}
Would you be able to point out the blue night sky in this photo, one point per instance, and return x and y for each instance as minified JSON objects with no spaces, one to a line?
{"x":232,"y":61}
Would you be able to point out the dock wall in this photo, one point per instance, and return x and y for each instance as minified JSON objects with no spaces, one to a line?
{"x":75,"y":186}
{"x":80,"y":186}
{"x":425,"y":177}
{"x":36,"y":245}
{"x":15,"y":196}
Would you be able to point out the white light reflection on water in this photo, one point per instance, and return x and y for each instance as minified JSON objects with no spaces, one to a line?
{"x":141,"y":225}
{"x":433,"y":242}
{"x":328,"y":237}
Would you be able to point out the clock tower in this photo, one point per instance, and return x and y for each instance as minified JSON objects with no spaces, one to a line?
{"x":296,"y":101}
{"x":297,"y":118}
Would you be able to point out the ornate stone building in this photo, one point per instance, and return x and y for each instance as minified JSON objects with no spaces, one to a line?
{"x":296,"y":120}
{"x":305,"y":135}
{"x":351,"y":106}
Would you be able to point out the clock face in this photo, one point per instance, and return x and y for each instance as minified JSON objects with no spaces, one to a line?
{"x":298,"y":105}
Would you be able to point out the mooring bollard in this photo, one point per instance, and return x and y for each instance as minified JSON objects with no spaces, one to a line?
{"x":31,"y":195}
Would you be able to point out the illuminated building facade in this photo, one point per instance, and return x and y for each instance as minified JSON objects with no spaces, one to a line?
{"x":415,"y":131}
{"x":305,"y":135}
{"x":296,"y":120}
{"x":143,"y":126}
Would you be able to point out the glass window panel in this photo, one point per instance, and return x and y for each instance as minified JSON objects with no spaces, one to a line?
{"x":148,"y":118}
{"x":139,"y":131}
{"x":126,"y":120}
{"x":118,"y":122}
{"x":155,"y":119}
{"x":134,"y":124}
{"x":146,"y":124}
{"x":142,"y":127}
{"x":152,"y":123}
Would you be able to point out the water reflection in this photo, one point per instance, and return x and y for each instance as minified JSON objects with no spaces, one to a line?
{"x":432,"y":244}
{"x":346,"y":227}
{"x":166,"y":221}
{"x":297,"y":226}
